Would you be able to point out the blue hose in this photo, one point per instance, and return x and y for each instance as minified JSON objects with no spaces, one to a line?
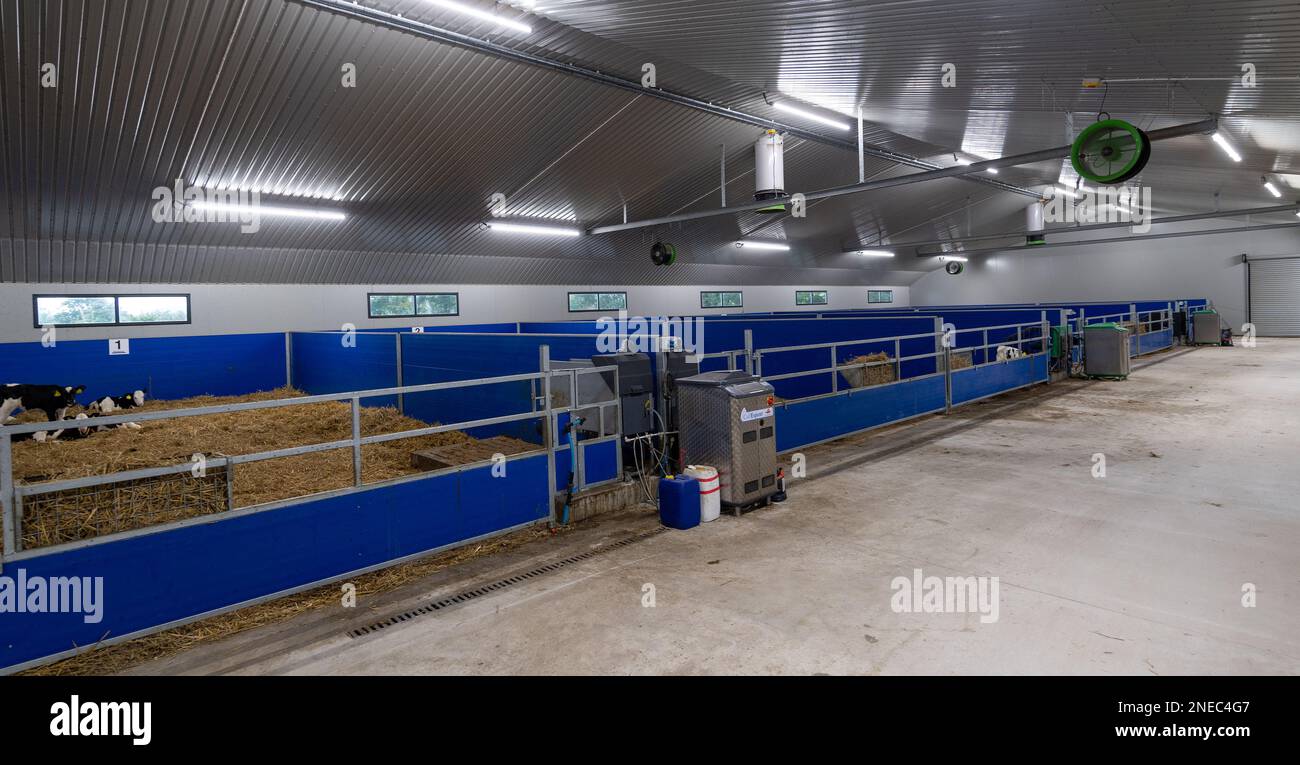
{"x":574,"y":422}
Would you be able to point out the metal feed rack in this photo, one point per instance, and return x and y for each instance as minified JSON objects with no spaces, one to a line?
{"x":14,"y":496}
{"x":1154,"y":321}
{"x":940,"y":353}
{"x":1025,"y":333}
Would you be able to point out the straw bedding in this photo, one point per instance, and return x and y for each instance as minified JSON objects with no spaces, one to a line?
{"x":960,"y":360}
{"x":70,"y":516}
{"x":863,"y":377}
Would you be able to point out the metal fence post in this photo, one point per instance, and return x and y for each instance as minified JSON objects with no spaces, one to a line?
{"x":1047,"y":350}
{"x":230,"y":484}
{"x":898,"y":359}
{"x":835,"y":378}
{"x":288,"y":359}
{"x":548,"y":431}
{"x":749,"y":351}
{"x":947,"y":379}
{"x":401,"y":398}
{"x":7,"y":495}
{"x":356,"y":440}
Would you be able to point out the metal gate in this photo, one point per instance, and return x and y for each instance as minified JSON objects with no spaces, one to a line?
{"x":1275,"y":296}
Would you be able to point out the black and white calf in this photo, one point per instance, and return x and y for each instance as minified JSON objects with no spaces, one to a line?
{"x":79,"y":430}
{"x":113,"y":403}
{"x":54,"y":400}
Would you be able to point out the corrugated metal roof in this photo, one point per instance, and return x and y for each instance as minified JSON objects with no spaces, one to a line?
{"x":248,"y":94}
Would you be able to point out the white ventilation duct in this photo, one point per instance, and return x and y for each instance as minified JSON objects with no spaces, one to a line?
{"x":769,"y":166}
{"x":1034,"y":223}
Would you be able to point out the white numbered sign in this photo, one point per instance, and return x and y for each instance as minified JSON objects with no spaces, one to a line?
{"x":418,"y":330}
{"x":119,"y":347}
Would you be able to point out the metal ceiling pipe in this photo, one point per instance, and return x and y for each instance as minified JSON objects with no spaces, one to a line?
{"x":1113,"y":240}
{"x":1177,"y":131}
{"x":1291,"y":208}
{"x":428,"y":31}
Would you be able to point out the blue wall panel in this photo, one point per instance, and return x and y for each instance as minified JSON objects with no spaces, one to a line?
{"x":323,"y":364}
{"x":501,"y":328}
{"x":978,"y":382}
{"x":154,"y":579}
{"x":163,"y":367}
{"x":600,"y":461}
{"x":805,"y":422}
{"x":1154,"y":341}
{"x":431,"y":358}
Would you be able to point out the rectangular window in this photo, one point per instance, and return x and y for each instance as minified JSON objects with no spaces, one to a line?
{"x":597,"y":301}
{"x":109,"y":310}
{"x":410,"y":305}
{"x":811,"y":297}
{"x":438,"y":304}
{"x":721,"y":300}
{"x":153,"y":309}
{"x":880,"y":296}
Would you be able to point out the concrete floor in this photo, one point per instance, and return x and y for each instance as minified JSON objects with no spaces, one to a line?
{"x":1140,"y":572}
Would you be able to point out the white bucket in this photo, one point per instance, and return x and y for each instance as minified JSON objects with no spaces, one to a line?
{"x":710,"y":491}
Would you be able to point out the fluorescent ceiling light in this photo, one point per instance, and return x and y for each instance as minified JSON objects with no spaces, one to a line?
{"x":1272,"y":189}
{"x":519,"y":228}
{"x":273,"y":191}
{"x":1068,"y":191}
{"x":1227,"y":147}
{"x":957,"y":258}
{"x":764,"y":246}
{"x":271,"y":210}
{"x":483,"y":15}
{"x":874,"y":253}
{"x":782,"y":106}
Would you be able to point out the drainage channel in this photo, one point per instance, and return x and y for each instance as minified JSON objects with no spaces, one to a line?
{"x":501,"y":584}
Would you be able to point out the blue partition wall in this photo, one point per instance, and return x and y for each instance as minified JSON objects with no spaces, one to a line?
{"x":163,"y":367}
{"x":802,"y":423}
{"x":336,"y":362}
{"x":979,"y":382}
{"x":156,"y":578}
{"x":446,"y":357}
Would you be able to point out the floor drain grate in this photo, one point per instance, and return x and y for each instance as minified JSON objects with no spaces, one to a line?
{"x":497,"y":586}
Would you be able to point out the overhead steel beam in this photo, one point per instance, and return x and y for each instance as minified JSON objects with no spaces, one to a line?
{"x":1113,"y":240}
{"x":1177,"y":131}
{"x":428,"y":31}
{"x":1099,"y":226}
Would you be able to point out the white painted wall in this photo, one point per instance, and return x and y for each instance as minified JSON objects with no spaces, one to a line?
{"x":239,"y":308}
{"x":1193,"y":266}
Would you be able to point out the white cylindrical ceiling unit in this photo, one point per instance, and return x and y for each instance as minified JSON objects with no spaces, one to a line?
{"x":769,"y":166}
{"x":1034,"y":223}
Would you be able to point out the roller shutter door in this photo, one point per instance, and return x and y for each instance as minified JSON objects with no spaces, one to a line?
{"x":1275,"y":297}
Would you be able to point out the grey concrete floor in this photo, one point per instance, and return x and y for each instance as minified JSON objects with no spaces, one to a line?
{"x":1139,"y":572}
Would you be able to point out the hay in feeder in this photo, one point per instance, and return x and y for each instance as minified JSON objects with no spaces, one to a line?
{"x":880,"y":371}
{"x":69,"y":516}
{"x":960,"y":360}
